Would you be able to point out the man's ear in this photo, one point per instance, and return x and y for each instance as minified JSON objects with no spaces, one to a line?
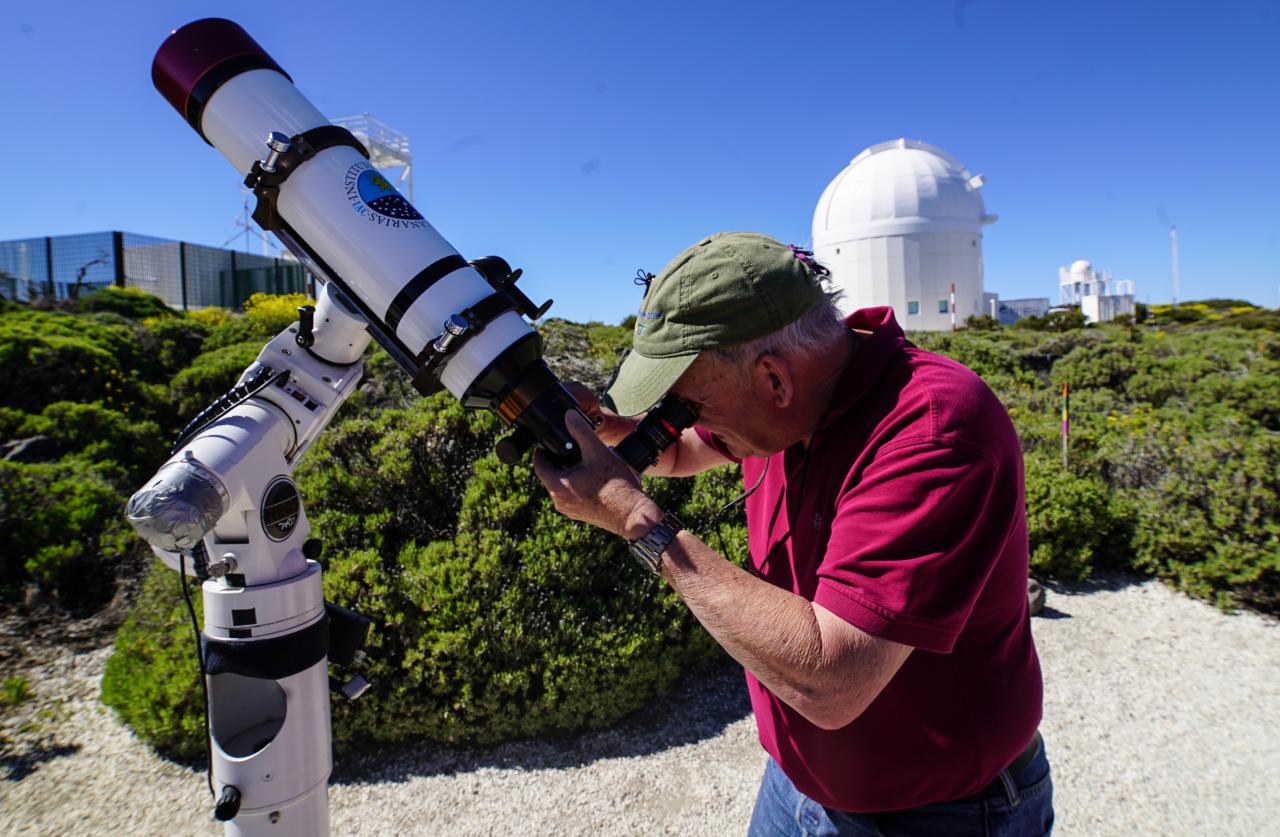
{"x":774,"y":376}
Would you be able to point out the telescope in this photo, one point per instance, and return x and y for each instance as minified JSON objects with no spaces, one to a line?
{"x":224,"y":508}
{"x":447,"y":322}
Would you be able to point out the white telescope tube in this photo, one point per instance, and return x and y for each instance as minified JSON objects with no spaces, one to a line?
{"x":337,"y":202}
{"x":437,"y":315}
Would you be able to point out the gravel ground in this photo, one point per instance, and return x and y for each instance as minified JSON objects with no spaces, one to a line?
{"x":1162,"y":716}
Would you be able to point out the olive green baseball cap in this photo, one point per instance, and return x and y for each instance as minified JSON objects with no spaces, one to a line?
{"x":729,"y":288}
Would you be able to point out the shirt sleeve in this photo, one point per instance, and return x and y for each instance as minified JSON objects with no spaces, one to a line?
{"x":914,"y":541}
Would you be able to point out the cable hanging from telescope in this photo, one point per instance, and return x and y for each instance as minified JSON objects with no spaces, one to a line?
{"x":204,"y":683}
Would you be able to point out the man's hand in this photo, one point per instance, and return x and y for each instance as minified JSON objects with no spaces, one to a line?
{"x":601,"y":489}
{"x":610,"y":426}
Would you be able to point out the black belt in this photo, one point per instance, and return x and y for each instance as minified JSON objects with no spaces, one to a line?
{"x":996,"y":786}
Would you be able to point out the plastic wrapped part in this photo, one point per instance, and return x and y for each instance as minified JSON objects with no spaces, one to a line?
{"x":179,"y":507}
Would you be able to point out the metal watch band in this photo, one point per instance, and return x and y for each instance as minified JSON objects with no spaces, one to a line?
{"x":648,"y":549}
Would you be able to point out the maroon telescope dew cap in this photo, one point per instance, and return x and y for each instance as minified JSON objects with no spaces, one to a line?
{"x":197,"y":59}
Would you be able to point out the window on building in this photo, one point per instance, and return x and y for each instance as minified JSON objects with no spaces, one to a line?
{"x":943,"y":307}
{"x":913,"y":307}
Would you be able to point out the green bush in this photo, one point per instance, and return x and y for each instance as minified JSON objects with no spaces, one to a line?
{"x":127,"y":302}
{"x":157,"y":636}
{"x":210,"y":317}
{"x":494,"y":616}
{"x":1261,"y":318}
{"x":264,"y":317}
{"x":179,"y":341}
{"x":53,"y":356}
{"x":1102,"y":366}
{"x":1074,"y":524}
{"x":584,"y":353}
{"x":269,"y":314}
{"x":1053,"y":321}
{"x":1151,"y":409}
{"x":981,"y":322}
{"x":93,"y":433}
{"x":62,"y":526}
{"x":93,"y":379}
{"x":210,"y":375}
{"x":15,"y":691}
{"x":1210,"y":520}
{"x":233,"y":331}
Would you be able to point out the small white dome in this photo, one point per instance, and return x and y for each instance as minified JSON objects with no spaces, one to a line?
{"x":898,"y":187}
{"x":1081,"y":266}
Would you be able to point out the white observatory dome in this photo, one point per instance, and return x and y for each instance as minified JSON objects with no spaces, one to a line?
{"x":1081,"y":266}
{"x":900,"y":186}
{"x":899,"y":226}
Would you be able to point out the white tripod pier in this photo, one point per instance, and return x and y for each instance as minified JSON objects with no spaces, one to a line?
{"x":225,"y":507}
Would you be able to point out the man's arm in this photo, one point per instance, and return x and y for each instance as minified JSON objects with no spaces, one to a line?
{"x":826,"y":669}
{"x":823,"y":667}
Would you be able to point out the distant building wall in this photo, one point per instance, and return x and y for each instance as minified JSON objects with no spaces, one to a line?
{"x":183,"y":275}
{"x":1012,"y":310}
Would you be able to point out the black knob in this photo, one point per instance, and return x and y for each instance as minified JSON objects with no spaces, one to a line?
{"x":511,"y":448}
{"x":306,"y":325}
{"x":228,"y":804}
{"x":312,"y":548}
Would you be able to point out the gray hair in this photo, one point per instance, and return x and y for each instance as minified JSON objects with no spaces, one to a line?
{"x":816,"y":329}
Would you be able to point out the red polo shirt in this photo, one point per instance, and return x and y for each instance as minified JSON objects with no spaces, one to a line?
{"x":905,"y":517}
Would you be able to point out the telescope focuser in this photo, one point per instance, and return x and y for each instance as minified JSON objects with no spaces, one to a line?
{"x":656,"y":432}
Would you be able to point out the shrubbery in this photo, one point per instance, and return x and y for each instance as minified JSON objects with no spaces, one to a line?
{"x":127,"y":302}
{"x":89,"y":393}
{"x":1174,"y":456}
{"x":210,"y":375}
{"x":496,"y":617}
{"x":61,"y":527}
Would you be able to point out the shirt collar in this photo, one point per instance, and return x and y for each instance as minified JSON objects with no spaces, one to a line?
{"x":868,"y":363}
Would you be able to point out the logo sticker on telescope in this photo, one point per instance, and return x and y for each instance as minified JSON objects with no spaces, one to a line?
{"x":373,"y":197}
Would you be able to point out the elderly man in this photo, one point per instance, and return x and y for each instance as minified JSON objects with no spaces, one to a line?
{"x":882,"y":620}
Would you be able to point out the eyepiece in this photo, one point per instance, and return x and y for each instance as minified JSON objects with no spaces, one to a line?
{"x":656,"y":432}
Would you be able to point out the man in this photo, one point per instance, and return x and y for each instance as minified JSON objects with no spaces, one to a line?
{"x":883,"y":620}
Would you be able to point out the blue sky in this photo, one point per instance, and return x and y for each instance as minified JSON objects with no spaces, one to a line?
{"x":584,"y":140}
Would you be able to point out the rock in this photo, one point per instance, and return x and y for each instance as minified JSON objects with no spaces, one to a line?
{"x":1035,"y":596}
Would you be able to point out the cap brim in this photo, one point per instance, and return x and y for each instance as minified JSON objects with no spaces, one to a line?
{"x":641,"y":381}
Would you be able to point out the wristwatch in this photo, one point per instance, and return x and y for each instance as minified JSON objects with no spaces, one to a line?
{"x":649,"y":548}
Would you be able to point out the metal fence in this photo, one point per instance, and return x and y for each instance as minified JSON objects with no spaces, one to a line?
{"x":183,"y":275}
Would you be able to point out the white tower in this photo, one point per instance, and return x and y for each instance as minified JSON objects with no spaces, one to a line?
{"x":1099,"y":296}
{"x":900,"y":226}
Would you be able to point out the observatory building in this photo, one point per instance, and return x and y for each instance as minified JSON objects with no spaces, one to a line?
{"x":902,"y":226}
{"x":1098,"y":296}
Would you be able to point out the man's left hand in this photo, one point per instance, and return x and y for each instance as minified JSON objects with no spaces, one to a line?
{"x":601,"y":489}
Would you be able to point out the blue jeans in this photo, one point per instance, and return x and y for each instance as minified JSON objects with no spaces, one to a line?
{"x":1025,"y":809}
